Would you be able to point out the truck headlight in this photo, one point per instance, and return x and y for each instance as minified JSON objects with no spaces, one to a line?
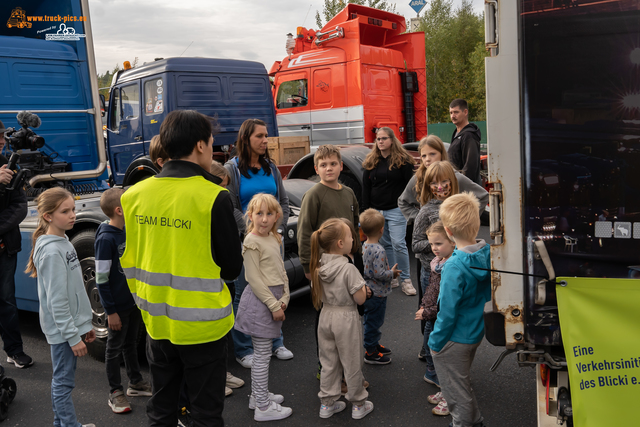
{"x":291,"y":233}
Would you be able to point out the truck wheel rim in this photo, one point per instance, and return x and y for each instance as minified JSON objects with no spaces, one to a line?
{"x":99,"y":317}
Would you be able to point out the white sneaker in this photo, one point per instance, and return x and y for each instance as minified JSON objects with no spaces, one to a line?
{"x":88,"y":425}
{"x":246,"y":362}
{"x":442,"y":409}
{"x":283,"y":353}
{"x":272,"y":413}
{"x":394,"y":282}
{"x":278,"y":398}
{"x":227,"y":391}
{"x":435,"y":398}
{"x":328,"y":411}
{"x":361,"y":411}
{"x":234,"y":382}
{"x":407,"y":287}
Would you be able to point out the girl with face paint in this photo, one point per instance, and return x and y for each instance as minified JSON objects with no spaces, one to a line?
{"x":439,"y":183}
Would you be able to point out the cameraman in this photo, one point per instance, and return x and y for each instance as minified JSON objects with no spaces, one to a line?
{"x":13,"y":209}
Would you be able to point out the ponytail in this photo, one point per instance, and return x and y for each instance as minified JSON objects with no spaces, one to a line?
{"x":48,"y":202}
{"x":316,"y":286}
{"x":324,"y":238}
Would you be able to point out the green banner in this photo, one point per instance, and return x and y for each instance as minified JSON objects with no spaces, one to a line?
{"x":600,"y":324}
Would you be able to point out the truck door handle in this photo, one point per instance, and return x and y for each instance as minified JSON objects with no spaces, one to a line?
{"x":138,"y":138}
{"x":305,"y":127}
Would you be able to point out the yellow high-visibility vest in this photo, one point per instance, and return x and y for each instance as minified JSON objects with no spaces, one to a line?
{"x":168,"y":263}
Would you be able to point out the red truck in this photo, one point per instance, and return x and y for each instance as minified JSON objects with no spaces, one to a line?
{"x":360,"y":72}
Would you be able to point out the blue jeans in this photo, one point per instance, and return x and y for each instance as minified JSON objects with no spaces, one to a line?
{"x":374,"y":311}
{"x":9,"y":325}
{"x":242,"y":345}
{"x":62,"y":384}
{"x":393,"y":241}
{"x":428,"y":328}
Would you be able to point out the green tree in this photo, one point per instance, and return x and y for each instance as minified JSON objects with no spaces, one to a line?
{"x":332,"y":7}
{"x":454,"y":48}
{"x":104,"y":80}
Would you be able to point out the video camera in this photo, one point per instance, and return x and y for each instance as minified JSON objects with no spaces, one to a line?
{"x":25,"y":138}
{"x":24,"y":145}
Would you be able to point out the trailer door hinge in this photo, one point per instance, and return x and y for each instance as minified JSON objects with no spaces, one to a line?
{"x":495,"y":214}
{"x":491,"y":26}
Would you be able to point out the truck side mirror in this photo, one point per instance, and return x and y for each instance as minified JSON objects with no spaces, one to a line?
{"x":103,"y":109}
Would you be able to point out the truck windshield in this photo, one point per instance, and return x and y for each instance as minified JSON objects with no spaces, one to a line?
{"x":292,"y":94}
{"x":581,"y":88}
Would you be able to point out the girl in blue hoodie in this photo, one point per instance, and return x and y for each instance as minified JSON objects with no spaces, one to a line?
{"x":65,"y":311}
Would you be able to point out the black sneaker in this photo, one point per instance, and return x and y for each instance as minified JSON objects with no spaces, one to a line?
{"x":423,"y":354}
{"x":384,"y":350}
{"x":184,"y":418}
{"x":21,"y":360}
{"x":376,"y":359}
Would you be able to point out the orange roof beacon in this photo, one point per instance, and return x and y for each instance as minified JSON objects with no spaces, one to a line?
{"x":360,"y":72}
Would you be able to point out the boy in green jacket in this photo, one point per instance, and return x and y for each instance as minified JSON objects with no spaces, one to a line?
{"x":325,"y":200}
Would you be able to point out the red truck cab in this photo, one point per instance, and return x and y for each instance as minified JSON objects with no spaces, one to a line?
{"x":360,"y":72}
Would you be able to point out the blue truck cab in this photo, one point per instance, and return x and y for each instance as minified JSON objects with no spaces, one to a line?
{"x":141,"y":97}
{"x":48,"y":68}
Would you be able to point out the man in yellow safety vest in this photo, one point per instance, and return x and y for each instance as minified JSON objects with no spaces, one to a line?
{"x":182,"y":242}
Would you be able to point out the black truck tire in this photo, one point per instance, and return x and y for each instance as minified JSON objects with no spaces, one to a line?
{"x":83,"y":242}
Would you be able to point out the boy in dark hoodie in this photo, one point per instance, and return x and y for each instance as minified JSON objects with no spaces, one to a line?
{"x":123,"y":315}
{"x":464,"y":151}
{"x":464,"y":290}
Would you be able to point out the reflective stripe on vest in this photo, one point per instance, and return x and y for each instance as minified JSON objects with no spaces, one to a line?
{"x":168,"y":263}
{"x":181,"y":313}
{"x":175,"y":282}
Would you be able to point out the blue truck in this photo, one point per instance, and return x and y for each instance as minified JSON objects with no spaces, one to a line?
{"x":49,"y":69}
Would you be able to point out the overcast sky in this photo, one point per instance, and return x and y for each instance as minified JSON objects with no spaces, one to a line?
{"x":234,"y":29}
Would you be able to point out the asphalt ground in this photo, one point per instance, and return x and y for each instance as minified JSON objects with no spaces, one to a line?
{"x":506,"y":396}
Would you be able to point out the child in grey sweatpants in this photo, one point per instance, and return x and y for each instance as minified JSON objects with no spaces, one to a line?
{"x":464,"y":290}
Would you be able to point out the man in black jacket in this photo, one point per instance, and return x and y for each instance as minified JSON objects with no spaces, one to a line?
{"x":13,"y":209}
{"x":464,"y":151}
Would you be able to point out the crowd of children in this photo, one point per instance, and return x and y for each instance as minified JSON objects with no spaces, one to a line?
{"x":350,"y":286}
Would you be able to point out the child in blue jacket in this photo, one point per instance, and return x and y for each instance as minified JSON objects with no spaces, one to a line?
{"x":459,"y":327}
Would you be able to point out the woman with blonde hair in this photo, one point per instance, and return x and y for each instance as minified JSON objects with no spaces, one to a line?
{"x":387,"y":170}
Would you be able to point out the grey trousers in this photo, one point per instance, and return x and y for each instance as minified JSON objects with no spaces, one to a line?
{"x":453,"y":364}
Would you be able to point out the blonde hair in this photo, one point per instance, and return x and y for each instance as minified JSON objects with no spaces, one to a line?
{"x":438,"y":171}
{"x":271,"y":204}
{"x":110,"y":200}
{"x":431,"y":141}
{"x":156,"y":151}
{"x":48,"y":202}
{"x":459,"y":213}
{"x":371,"y":222}
{"x":218,"y":170}
{"x":397,"y":158}
{"x":325,"y":151}
{"x":438,"y":228}
{"x":323,"y":238}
